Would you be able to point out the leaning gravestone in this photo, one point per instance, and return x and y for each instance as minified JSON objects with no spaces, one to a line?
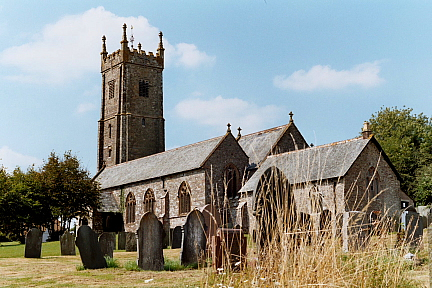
{"x":150,"y":244}
{"x":194,"y":239}
{"x":67,"y":244}
{"x":33,"y":243}
{"x":107,"y":243}
{"x":121,"y":245}
{"x":89,"y":248}
{"x":176,"y":237}
{"x":131,"y":242}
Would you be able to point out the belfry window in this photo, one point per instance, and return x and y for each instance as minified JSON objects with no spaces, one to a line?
{"x":111,"y":86}
{"x":149,"y":200}
{"x":184,"y":199}
{"x":130,"y":208}
{"x":231,"y":181}
{"x":144,"y":88}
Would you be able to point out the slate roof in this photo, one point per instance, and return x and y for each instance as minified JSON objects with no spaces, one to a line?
{"x":165,"y":163}
{"x":312,"y":164}
{"x":258,"y":145}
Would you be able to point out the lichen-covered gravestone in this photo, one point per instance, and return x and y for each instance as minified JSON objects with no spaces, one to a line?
{"x":194,"y":239}
{"x":67,"y":244}
{"x":131,"y":242}
{"x":150,"y":244}
{"x":89,"y":248}
{"x":177,"y":237}
{"x":121,"y":245}
{"x":33,"y":243}
{"x":107,"y":243}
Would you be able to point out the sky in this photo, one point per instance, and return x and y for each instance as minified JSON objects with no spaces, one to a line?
{"x":248,"y":63}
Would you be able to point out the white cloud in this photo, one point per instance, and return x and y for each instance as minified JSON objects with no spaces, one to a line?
{"x":323,"y":77}
{"x":190,"y":57}
{"x":69,"y":48}
{"x":217,"y":112}
{"x":10,"y":159}
{"x":86,"y":107}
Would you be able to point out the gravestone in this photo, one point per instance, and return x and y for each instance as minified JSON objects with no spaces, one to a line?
{"x":413,"y":226}
{"x":194,"y":239}
{"x":89,"y":248}
{"x":229,"y":247}
{"x":177,"y":237}
{"x":212,"y":220}
{"x":121,"y":245}
{"x":67,"y":244}
{"x":107,"y":242}
{"x":429,"y":235}
{"x":33,"y":243}
{"x":131,"y":242}
{"x":150,"y":244}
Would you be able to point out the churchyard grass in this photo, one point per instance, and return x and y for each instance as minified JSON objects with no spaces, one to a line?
{"x":53,"y":270}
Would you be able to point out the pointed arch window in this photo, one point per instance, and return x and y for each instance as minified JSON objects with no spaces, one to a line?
{"x":130,"y":208}
{"x":316,"y":200}
{"x":184,"y":196}
{"x":149,"y":200}
{"x":231,"y":180}
{"x":372,"y":183}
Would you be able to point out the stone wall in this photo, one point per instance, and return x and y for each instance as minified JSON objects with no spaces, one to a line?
{"x":388,"y":200}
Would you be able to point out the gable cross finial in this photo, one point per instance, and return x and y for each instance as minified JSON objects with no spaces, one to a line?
{"x":239,"y":133}
{"x":291,"y":114}
{"x":229,"y":128}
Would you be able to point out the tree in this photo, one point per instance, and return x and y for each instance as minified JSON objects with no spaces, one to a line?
{"x":407,"y":140}
{"x":55,"y":194}
{"x":69,"y":190}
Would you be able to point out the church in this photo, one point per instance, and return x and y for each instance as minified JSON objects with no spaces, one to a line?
{"x":226,"y":173}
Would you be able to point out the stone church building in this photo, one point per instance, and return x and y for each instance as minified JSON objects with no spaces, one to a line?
{"x":226,"y":173}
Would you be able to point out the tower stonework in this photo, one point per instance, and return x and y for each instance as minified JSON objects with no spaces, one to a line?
{"x":131,"y":124}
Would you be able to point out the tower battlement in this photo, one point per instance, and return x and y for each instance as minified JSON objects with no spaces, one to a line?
{"x":132,"y":55}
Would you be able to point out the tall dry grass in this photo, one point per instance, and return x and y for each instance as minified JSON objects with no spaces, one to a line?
{"x":292,"y":249}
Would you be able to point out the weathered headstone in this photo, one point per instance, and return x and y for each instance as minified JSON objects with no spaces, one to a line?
{"x":177,"y":237}
{"x":355,"y":230}
{"x":213,"y":221}
{"x":121,"y":245}
{"x":194,"y":239}
{"x":229,"y":247}
{"x":150,"y":244}
{"x":67,"y":244}
{"x":429,"y":236}
{"x":107,"y":241}
{"x":33,"y":243}
{"x":89,"y":248}
{"x":413,"y":226}
{"x":131,"y":242}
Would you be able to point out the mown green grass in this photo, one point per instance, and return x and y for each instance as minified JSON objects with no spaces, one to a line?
{"x":16,"y":250}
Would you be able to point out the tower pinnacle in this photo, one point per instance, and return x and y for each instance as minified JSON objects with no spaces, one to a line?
{"x":104,"y":52}
{"x":161,"y":48}
{"x":124,"y":42}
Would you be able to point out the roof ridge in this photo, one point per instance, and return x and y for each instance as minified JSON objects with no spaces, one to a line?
{"x":264,"y":131}
{"x":166,"y":151}
{"x":323,"y":146}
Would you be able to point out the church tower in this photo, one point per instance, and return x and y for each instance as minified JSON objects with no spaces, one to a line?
{"x":131,"y":124}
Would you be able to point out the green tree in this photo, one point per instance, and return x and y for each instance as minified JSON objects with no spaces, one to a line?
{"x":69,"y":190}
{"x":407,"y":140}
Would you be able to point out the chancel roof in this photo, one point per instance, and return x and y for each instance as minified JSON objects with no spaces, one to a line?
{"x":165,"y":163}
{"x":312,"y":164}
{"x":258,"y":145}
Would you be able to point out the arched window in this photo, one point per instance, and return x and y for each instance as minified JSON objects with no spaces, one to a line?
{"x":372,"y":183}
{"x":316,"y":200}
{"x":231,"y":181}
{"x":130,"y":208}
{"x":184,"y":199}
{"x":149,"y":200}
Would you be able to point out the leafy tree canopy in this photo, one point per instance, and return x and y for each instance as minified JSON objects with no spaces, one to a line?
{"x":51,"y":196}
{"x":407,"y":140}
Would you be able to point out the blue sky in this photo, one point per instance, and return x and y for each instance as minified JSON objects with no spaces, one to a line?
{"x":333,"y":63}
